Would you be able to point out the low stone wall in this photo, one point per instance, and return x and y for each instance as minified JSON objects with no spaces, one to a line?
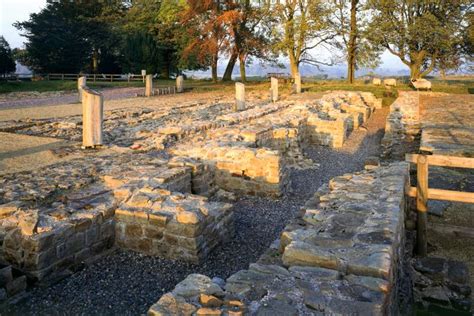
{"x":240,"y":169}
{"x":71,"y":217}
{"x":340,"y":257}
{"x":202,"y":175}
{"x":12,"y":283}
{"x":332,"y":133}
{"x":172,"y":225}
{"x":42,"y":243}
{"x":403,"y":123}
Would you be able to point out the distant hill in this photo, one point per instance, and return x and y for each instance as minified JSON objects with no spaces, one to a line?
{"x":337,"y":71}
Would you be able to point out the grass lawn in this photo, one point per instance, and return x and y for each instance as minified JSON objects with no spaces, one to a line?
{"x":389,"y":95}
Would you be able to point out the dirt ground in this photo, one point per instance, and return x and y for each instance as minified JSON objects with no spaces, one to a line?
{"x":22,"y":152}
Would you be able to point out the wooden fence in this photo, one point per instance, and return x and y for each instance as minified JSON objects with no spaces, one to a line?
{"x":96,"y":77}
{"x":423,"y":193}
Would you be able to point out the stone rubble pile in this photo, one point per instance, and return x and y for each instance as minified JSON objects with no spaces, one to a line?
{"x":341,"y":257}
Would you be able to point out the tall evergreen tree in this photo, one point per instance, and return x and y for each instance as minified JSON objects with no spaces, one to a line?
{"x":7,"y":63}
{"x":73,"y":36}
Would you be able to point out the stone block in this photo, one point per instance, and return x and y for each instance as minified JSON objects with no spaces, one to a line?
{"x":239,"y":96}
{"x":149,"y":85}
{"x":6,"y":276}
{"x":92,"y":113}
{"x":16,"y":286}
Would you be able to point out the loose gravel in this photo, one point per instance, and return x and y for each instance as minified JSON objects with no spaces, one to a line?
{"x":128,"y":283}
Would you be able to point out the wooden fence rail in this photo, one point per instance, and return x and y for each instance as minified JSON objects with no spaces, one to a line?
{"x":423,"y":193}
{"x":96,"y":77}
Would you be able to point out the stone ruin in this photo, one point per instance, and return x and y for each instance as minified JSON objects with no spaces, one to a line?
{"x":341,"y":256}
{"x":163,"y":183}
{"x":439,"y":124}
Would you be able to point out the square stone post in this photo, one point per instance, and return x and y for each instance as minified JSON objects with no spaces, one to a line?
{"x":81,"y":83}
{"x":180,"y":84}
{"x":274,"y":89}
{"x":239,"y":96}
{"x":92,"y":116}
{"x":149,"y":86}
{"x":297,"y":83}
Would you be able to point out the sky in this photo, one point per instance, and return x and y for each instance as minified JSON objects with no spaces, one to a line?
{"x":16,"y":10}
{"x":20,"y":10}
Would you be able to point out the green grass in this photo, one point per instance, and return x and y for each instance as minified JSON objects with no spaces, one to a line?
{"x":58,"y":85}
{"x":447,"y":86}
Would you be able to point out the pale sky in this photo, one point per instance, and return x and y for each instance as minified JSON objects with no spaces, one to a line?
{"x":20,"y":10}
{"x":16,"y":10}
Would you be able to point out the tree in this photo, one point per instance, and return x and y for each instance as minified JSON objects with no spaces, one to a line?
{"x":468,"y":39}
{"x":349,"y":22}
{"x":7,"y":63}
{"x":301,"y":26}
{"x":159,"y":21}
{"x":71,"y":36}
{"x":248,"y":36}
{"x":421,"y":33}
{"x":206,"y":31}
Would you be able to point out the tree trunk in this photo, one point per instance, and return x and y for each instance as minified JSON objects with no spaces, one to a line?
{"x":214,"y":68}
{"x":293,"y":64}
{"x":95,"y":61}
{"x":352,"y":45}
{"x":165,"y":72}
{"x":442,"y":72}
{"x":415,"y":70}
{"x":230,"y":68}
{"x":243,"y":76}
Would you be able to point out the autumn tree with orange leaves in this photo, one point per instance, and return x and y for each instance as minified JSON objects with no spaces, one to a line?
{"x":225,"y":28}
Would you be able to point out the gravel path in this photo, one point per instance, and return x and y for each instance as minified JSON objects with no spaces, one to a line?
{"x":127,"y":283}
{"x":109,"y":94}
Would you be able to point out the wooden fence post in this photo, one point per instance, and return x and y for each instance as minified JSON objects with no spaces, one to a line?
{"x":421,"y":203}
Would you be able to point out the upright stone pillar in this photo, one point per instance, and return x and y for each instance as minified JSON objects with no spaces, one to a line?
{"x":239,"y":96}
{"x":298,"y":83}
{"x":81,"y":83}
{"x":274,"y":89}
{"x":92,"y":116}
{"x":180,"y":84}
{"x":149,"y":86}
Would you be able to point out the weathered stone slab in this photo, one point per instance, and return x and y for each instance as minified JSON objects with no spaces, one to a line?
{"x":92,"y":113}
{"x":274,"y":89}
{"x":180,"y":84}
{"x":239,"y":96}
{"x":81,"y":83}
{"x":149,"y":85}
